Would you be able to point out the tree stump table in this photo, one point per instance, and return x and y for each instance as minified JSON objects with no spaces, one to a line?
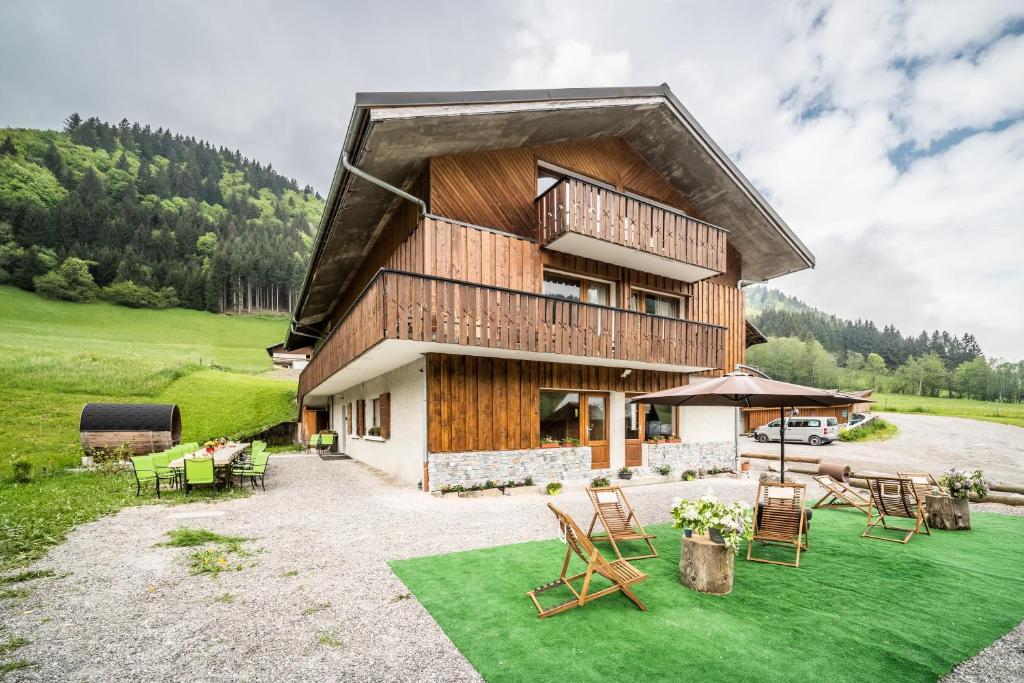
{"x":947,"y":512}
{"x":706,"y":566}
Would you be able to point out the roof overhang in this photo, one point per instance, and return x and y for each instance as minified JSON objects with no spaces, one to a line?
{"x":391,"y":135}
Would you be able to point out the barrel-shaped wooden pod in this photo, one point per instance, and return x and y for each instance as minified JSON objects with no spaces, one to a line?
{"x":147,"y":427}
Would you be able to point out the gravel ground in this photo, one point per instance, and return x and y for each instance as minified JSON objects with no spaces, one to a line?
{"x":320,"y":602}
{"x":925,"y":442}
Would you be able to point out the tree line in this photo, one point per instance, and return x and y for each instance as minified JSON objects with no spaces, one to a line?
{"x":149,"y":217}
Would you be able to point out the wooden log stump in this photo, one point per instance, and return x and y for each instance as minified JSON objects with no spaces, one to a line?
{"x":947,"y":512}
{"x":706,"y":566}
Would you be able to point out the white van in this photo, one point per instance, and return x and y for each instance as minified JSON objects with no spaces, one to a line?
{"x":812,"y":430}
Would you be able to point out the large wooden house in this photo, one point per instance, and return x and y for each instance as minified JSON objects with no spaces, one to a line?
{"x":498,"y":270}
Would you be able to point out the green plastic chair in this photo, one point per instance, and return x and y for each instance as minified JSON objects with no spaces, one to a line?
{"x":326,"y":441}
{"x":256,"y":470}
{"x":161,"y":463}
{"x":314,"y":443}
{"x":145,"y":473}
{"x":199,"y":471}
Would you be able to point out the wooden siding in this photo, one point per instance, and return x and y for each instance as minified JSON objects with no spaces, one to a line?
{"x":497,"y":188}
{"x":575,"y":206}
{"x":719,"y":301}
{"x":480,"y":403}
{"x":406,"y":306}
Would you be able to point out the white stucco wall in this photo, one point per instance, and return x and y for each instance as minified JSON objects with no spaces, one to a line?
{"x":401,"y":456}
{"x":707,"y":424}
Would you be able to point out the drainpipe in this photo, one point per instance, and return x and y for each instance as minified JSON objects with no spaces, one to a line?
{"x":380,"y":183}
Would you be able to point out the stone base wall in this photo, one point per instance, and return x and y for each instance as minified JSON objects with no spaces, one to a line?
{"x":476,"y":467}
{"x":691,"y":456}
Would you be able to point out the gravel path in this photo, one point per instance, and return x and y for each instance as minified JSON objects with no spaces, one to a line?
{"x":925,"y":442}
{"x":320,"y":602}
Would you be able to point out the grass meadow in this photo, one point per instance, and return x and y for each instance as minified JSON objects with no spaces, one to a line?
{"x":1005,"y":413}
{"x":55,"y":357}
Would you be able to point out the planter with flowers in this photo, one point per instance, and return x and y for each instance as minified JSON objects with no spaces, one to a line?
{"x":674,"y":438}
{"x":716,"y":531}
{"x":953,"y":512}
{"x":548,"y":442}
{"x":570,"y":443}
{"x":210,"y":447}
{"x":625,"y":473}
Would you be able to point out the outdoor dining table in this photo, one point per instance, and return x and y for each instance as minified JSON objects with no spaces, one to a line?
{"x":223,"y":458}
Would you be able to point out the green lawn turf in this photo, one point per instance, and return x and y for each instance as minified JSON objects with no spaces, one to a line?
{"x":856,"y":610}
{"x":1005,"y":413}
{"x":56,"y":356}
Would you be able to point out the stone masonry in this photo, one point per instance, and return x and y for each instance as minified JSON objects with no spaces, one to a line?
{"x":476,"y":467}
{"x":691,"y":456}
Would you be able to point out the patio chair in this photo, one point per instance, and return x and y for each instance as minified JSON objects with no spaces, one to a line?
{"x":895,"y":497}
{"x":161,"y":463}
{"x":313,"y":444}
{"x":145,"y":473}
{"x":619,"y":521}
{"x":621,"y":574}
{"x":780,"y":519}
{"x":199,"y":471}
{"x":325,"y":443}
{"x":923,"y":483}
{"x":257,"y":469}
{"x":839,"y":494}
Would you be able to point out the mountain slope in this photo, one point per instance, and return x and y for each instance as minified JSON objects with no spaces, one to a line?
{"x":155,"y":208}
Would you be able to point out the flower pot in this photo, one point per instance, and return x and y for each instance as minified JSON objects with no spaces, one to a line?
{"x":687,"y":533}
{"x":716,"y":536}
{"x":554,"y":492}
{"x":550,"y":445}
{"x":625,"y":475}
{"x":673,"y":441}
{"x":745,"y":466}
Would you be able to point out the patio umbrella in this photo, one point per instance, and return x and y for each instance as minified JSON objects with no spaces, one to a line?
{"x":744,"y":390}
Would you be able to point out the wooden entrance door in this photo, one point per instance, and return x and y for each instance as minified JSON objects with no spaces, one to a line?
{"x":594,"y":428}
{"x":634,"y":434}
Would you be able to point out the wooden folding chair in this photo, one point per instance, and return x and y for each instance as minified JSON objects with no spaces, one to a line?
{"x":839,"y":494}
{"x":895,"y":497}
{"x":619,"y":521}
{"x":780,"y":519}
{"x":619,"y":572}
{"x":923,"y":482}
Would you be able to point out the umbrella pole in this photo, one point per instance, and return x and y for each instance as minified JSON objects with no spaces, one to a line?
{"x":782,"y":445}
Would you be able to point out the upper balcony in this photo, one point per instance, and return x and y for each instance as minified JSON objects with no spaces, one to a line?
{"x":401,"y":315}
{"x":584,"y":219}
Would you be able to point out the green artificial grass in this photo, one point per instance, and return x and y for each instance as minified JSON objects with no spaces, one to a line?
{"x":856,"y":610}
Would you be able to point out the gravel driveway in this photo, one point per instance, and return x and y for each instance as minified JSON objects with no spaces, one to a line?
{"x":320,"y":602}
{"x":925,"y":442}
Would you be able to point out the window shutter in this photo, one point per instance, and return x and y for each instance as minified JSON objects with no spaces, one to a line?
{"x":348,"y":419}
{"x":360,"y":417}
{"x":385,"y":416}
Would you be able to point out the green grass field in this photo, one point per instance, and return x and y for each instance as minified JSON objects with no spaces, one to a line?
{"x":857,"y":609}
{"x":1005,"y":413}
{"x":55,"y":357}
{"x":876,"y":430}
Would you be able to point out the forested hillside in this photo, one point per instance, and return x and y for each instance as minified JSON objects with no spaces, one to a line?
{"x":811,"y":347}
{"x":149,"y":218}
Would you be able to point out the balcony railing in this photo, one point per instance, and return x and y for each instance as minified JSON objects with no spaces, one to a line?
{"x":662,"y":240}
{"x":404,"y":306}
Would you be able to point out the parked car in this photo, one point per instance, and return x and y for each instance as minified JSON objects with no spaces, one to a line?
{"x":812,"y":430}
{"x":857,"y":418}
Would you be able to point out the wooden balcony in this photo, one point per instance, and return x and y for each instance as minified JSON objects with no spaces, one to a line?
{"x":584,"y":219}
{"x":400,"y":315}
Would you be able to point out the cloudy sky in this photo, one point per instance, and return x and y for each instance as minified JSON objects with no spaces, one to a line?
{"x":889,"y":135}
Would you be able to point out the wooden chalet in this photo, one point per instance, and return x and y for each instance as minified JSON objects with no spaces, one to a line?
{"x":495,"y":268}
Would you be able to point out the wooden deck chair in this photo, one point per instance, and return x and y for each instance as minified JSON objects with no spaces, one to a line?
{"x":840,"y":494}
{"x":922,"y":483}
{"x":780,"y":519}
{"x":619,"y":521}
{"x":622,"y":574}
{"x":895,"y":497}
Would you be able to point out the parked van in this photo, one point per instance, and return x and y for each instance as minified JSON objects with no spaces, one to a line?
{"x":812,"y":430}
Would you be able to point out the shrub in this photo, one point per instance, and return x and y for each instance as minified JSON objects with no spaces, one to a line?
{"x":72,"y":281}
{"x":876,"y":430}
{"x":111,"y":460}
{"x":21,"y":466}
{"x":127,"y":293}
{"x":599,"y":482}
{"x":664,"y":470}
{"x":689,"y":475}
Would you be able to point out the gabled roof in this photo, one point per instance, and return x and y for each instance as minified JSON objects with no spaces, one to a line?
{"x":390,"y":135}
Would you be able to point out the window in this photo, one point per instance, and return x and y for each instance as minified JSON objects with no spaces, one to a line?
{"x":831,"y":421}
{"x":655,"y":304}
{"x":560,"y":415}
{"x":813,"y":423}
{"x":350,"y":423}
{"x":658,"y":421}
{"x":577,"y":289}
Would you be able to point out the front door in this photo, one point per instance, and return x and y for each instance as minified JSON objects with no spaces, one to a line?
{"x":634,"y":434}
{"x":595,"y":429}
